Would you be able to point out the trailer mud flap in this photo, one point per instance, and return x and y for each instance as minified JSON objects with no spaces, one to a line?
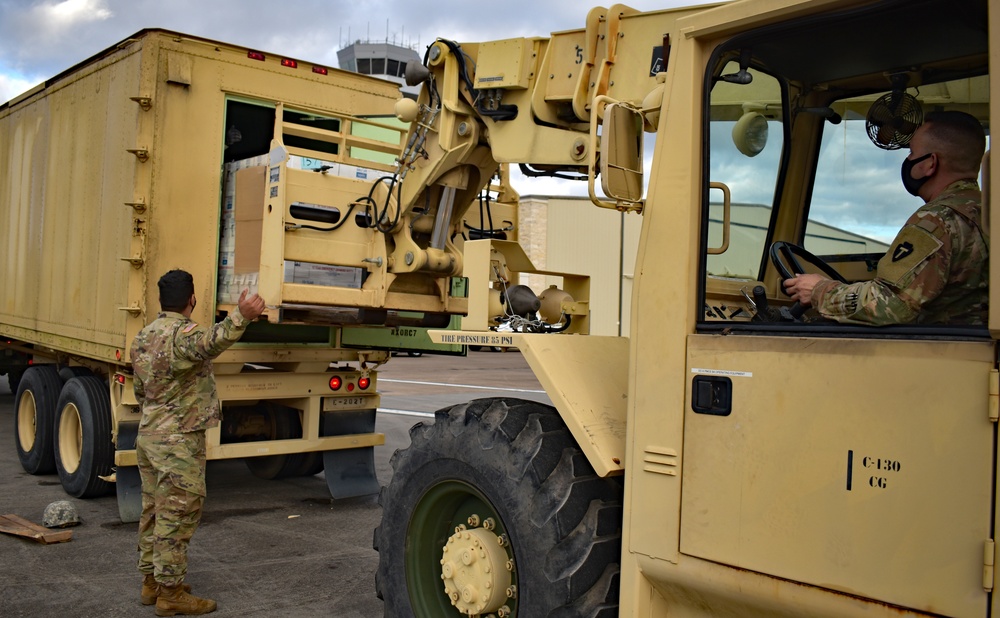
{"x":128,"y":485}
{"x":349,"y":472}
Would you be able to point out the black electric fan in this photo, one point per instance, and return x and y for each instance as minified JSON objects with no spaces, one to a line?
{"x":893,"y":118}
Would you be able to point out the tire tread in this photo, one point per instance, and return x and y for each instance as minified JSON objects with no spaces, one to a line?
{"x":98,"y":450}
{"x":44,"y":383}
{"x":560,"y":506}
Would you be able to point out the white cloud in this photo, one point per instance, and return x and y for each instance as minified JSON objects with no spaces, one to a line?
{"x":11,"y":86}
{"x":70,"y":12}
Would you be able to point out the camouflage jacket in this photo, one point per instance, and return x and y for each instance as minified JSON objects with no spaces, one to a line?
{"x":172,"y":367}
{"x":936,"y":271}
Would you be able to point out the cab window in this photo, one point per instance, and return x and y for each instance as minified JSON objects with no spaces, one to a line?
{"x":747,"y":135}
{"x":805,"y":128}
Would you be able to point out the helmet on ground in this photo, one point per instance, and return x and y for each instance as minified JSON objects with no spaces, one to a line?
{"x":60,"y":514}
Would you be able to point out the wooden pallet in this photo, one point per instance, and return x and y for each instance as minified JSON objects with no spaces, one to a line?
{"x":12,"y":524}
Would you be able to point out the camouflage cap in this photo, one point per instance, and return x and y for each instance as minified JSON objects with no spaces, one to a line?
{"x":60,"y":514}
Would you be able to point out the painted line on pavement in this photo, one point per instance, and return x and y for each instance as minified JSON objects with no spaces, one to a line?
{"x":406,"y":412}
{"x":480,"y":388}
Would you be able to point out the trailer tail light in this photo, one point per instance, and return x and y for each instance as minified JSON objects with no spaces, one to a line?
{"x":350,"y":386}
{"x":291,"y":64}
{"x":119,"y":378}
{"x":335,"y":383}
{"x":255,"y":56}
{"x":364,"y":383}
{"x":320,"y":70}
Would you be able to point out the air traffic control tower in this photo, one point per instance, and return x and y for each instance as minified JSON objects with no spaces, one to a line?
{"x":380,"y":59}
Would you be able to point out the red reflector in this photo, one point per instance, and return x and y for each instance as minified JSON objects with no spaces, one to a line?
{"x":335,"y":383}
{"x":118,"y":354}
{"x":320,"y":70}
{"x":364,"y":383}
{"x":255,"y":55}
{"x":350,"y":386}
{"x":291,"y":64}
{"x":120,"y":378}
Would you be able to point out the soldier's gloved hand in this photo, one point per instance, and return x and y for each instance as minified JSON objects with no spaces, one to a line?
{"x":251,"y":306}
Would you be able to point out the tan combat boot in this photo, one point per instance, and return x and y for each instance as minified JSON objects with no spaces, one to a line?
{"x":174,"y":600}
{"x":151,"y":590}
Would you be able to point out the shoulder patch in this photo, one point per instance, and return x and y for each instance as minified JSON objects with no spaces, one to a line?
{"x":910,"y":249}
{"x":190,"y":327}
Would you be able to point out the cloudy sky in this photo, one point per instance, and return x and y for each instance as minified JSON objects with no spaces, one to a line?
{"x":40,"y":38}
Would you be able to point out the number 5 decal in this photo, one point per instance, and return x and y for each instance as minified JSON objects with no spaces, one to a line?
{"x":579,"y":54}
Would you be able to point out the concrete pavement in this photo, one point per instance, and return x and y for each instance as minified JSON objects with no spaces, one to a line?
{"x":264,"y":548}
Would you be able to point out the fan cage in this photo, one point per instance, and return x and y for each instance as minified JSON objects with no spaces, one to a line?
{"x":892,"y":120}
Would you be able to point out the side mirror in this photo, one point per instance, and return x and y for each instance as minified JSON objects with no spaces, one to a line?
{"x":621,"y":153}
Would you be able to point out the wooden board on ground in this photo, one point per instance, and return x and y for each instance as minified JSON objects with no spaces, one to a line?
{"x":19,"y":526}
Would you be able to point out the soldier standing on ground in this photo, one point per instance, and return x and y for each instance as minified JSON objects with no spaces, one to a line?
{"x":175,"y":387}
{"x":937,"y":270}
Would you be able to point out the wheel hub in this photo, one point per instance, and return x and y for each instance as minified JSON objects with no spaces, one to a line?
{"x":474,"y":567}
{"x":27,"y":419}
{"x":70,"y":438}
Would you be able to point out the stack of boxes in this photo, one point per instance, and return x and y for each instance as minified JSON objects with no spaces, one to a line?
{"x":241,"y":225}
{"x":231,"y":283}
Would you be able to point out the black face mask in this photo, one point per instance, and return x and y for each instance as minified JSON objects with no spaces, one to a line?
{"x":911,"y":184}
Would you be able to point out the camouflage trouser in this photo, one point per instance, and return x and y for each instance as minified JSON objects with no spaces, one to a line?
{"x":172,"y":469}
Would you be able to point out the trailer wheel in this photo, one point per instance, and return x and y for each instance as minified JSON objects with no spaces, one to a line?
{"x":84,"y":449}
{"x":35,"y":410}
{"x":308,"y":464}
{"x":284,"y":425}
{"x":495,"y":505}
{"x":275,"y":467}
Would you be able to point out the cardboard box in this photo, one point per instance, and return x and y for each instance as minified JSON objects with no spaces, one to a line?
{"x":224,"y":293}
{"x":249,"y":216}
{"x":249,"y":197}
{"x":231,"y":283}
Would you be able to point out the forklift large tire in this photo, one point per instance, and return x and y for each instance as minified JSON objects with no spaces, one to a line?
{"x":34,"y":416}
{"x":498,"y":485}
{"x":84,"y":449}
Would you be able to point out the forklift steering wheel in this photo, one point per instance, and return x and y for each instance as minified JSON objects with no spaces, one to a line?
{"x":784,"y":257}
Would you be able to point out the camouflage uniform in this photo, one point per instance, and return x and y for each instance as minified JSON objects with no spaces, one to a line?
{"x":936,"y":272}
{"x":174,"y":384}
